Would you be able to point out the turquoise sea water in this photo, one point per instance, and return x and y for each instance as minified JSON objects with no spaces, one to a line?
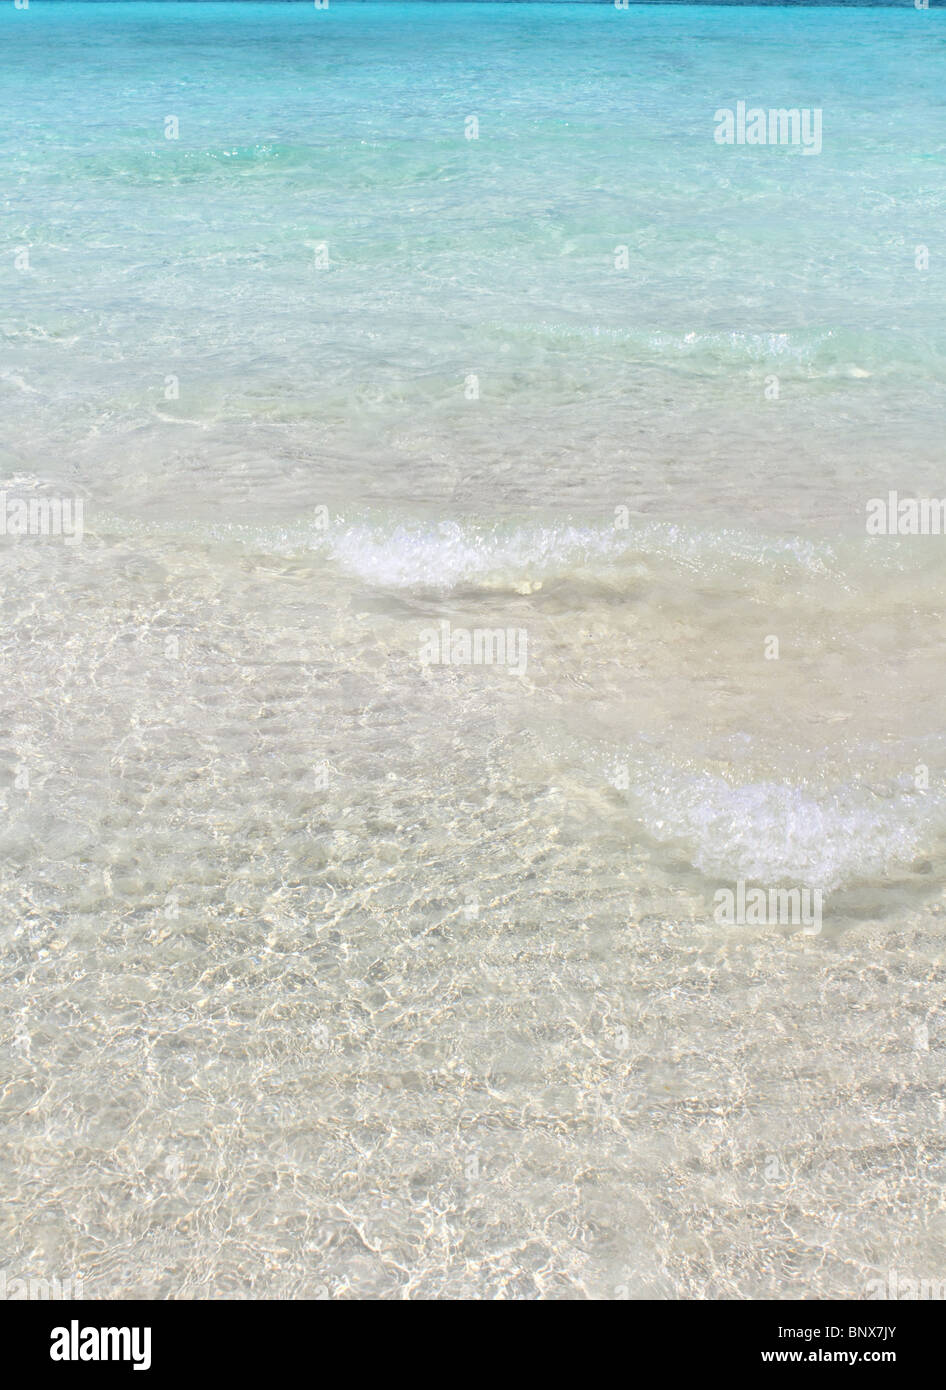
{"x":324,"y":970}
{"x":494,"y":257}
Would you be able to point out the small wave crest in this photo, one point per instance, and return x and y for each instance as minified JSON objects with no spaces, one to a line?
{"x":440,"y":557}
{"x":449,"y":555}
{"x":778,"y":832}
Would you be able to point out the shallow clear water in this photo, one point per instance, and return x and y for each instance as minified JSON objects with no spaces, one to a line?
{"x":325,"y":971}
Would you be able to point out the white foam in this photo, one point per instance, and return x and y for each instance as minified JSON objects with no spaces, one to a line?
{"x":775,"y":832}
{"x":446,"y":555}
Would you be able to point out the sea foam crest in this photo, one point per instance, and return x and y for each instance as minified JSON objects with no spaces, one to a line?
{"x":446,"y":555}
{"x":775,"y":832}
